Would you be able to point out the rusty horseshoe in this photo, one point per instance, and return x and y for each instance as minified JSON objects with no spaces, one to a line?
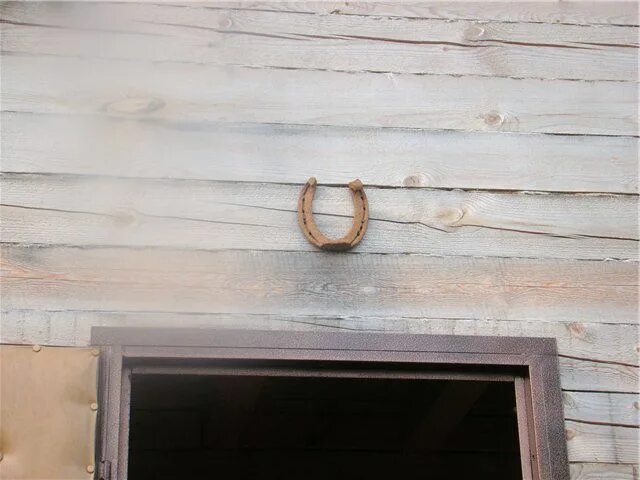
{"x":310,"y":229}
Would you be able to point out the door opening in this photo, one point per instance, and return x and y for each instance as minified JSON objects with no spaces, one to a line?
{"x":286,"y":428}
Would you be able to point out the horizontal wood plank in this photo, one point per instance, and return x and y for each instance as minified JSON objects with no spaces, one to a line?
{"x":301,"y":283}
{"x":336,"y":155}
{"x":601,"y":443}
{"x":44,"y":209}
{"x":612,"y":377}
{"x":603,"y":471}
{"x":580,"y":13}
{"x":190,"y":92}
{"x":327,"y":42}
{"x":604,"y":408}
{"x":590,"y":341}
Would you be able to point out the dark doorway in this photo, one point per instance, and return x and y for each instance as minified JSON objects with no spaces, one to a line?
{"x":313,"y":427}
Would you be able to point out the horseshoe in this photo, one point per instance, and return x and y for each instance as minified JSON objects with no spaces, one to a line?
{"x":310,"y":229}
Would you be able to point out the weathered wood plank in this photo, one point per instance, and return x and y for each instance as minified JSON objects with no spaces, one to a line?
{"x":300,"y":283}
{"x":603,"y":471}
{"x":580,"y":13}
{"x":291,"y":154}
{"x":591,"y":341}
{"x":327,"y":42}
{"x":44,"y":209}
{"x":190,"y":92}
{"x":65,"y":327}
{"x":569,"y":13}
{"x":611,"y":408}
{"x":613,"y":377}
{"x":601,"y":443}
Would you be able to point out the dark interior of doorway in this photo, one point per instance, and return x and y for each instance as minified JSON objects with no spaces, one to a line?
{"x":249,"y":427}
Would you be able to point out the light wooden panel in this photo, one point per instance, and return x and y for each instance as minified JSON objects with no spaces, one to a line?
{"x":603,"y":471}
{"x":612,"y":408}
{"x":292,"y":153}
{"x":328,"y":42}
{"x":48,"y":415}
{"x":579,"y":13}
{"x":579,"y":374}
{"x":292,"y":283}
{"x":588,"y":443}
{"x":44,"y":209}
{"x":193,"y":92}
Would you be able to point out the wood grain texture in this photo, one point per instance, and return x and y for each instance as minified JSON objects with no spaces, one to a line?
{"x":323,"y":42}
{"x":336,"y":155}
{"x":300,"y":283}
{"x":612,"y":377}
{"x":580,"y":13}
{"x":592,"y":443}
{"x":44,"y":209}
{"x":603,"y":471}
{"x":191,"y":92}
{"x":604,"y":408}
{"x":591,"y":341}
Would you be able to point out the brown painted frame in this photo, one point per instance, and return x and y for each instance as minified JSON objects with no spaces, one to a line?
{"x":530,"y":363}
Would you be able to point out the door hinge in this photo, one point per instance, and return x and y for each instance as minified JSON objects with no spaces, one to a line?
{"x":104,"y":470}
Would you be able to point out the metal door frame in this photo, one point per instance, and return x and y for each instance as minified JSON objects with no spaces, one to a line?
{"x":530,"y":363}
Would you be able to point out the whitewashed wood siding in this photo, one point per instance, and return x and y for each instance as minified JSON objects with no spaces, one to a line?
{"x":152,"y":155}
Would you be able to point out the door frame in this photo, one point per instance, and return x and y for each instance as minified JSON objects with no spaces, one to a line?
{"x":530,"y":363}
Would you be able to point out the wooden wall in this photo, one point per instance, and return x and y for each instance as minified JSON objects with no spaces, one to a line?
{"x":152,"y":155}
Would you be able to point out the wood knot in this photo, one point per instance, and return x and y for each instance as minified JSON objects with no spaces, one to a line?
{"x":494,"y":119}
{"x":636,"y":405}
{"x":577,"y":329}
{"x":225,"y":23}
{"x":570,"y":434}
{"x":450,"y":216}
{"x":134,"y":106}
{"x":474,"y":32}
{"x":417,"y":180}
